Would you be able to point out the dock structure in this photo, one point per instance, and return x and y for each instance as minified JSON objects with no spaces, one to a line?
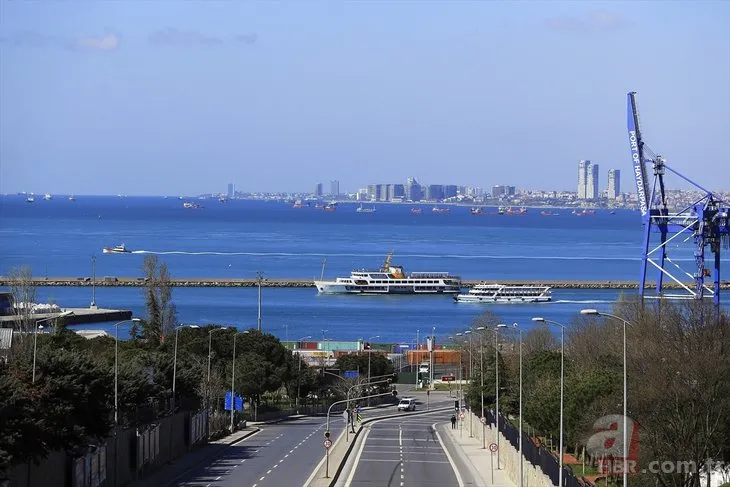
{"x":80,"y":316}
{"x":294,"y":283}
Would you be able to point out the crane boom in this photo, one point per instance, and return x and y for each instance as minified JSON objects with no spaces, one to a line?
{"x":706,"y":221}
{"x":637,"y":155}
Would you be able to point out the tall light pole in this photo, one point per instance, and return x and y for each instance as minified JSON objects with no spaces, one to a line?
{"x":370,"y":350}
{"x":519,"y":330}
{"x":481,"y":376}
{"x":233,"y":378}
{"x":116,"y":393}
{"x":93,"y":282}
{"x":299,"y":373}
{"x":210,"y":351}
{"x":539,"y":319}
{"x":174,"y":361}
{"x":35,"y":335}
{"x":496,"y":381}
{"x":370,"y":353}
{"x":430,"y":364}
{"x":259,"y":280}
{"x":593,"y":312}
{"x":470,"y":375}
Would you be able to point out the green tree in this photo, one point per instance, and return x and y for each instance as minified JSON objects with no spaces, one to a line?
{"x":263,"y":364}
{"x":23,"y":290}
{"x":161,"y":312}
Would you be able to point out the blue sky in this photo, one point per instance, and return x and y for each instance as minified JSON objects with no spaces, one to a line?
{"x":167,"y":97}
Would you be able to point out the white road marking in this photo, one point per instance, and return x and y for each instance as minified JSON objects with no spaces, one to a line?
{"x":448,"y":457}
{"x":357,"y":459}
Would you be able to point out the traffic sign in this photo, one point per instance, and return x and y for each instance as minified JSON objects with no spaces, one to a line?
{"x":484,"y":419}
{"x":493,"y":447}
{"x":327,"y":443}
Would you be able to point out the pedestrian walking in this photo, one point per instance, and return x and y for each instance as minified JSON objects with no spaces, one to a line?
{"x":453,"y":421}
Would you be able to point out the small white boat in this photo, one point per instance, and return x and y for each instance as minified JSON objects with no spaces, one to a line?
{"x":119,"y":249}
{"x":47,"y":196}
{"x":30,"y":199}
{"x":362,"y":209}
{"x":500,"y":293}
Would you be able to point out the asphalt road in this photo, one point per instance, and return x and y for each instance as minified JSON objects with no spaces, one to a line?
{"x":280,"y":454}
{"x":284,"y":453}
{"x":407,"y":451}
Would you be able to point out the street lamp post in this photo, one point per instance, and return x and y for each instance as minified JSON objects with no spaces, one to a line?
{"x":470,"y":375}
{"x":519,"y":330}
{"x":233,"y":379}
{"x":35,"y":335}
{"x":174,"y":361}
{"x":496,"y":381}
{"x":210,"y":350}
{"x":370,"y":350}
{"x":461,"y":387}
{"x":299,"y":373}
{"x":593,"y":312}
{"x":116,"y":393}
{"x":539,"y":319}
{"x":481,"y":377}
{"x":259,"y":280}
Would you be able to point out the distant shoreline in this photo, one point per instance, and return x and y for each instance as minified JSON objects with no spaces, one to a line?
{"x":308,"y":283}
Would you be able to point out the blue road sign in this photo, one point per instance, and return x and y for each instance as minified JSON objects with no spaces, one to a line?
{"x":351,"y":374}
{"x":227,"y":402}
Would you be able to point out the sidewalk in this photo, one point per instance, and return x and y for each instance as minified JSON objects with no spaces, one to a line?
{"x":168,"y":474}
{"x":479,"y":458}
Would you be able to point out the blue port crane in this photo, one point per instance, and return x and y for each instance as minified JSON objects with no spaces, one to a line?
{"x":701,"y":225}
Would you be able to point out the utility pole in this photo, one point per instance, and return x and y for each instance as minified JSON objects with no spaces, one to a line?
{"x":93,"y":282}
{"x":259,"y":279}
{"x":430,"y":366}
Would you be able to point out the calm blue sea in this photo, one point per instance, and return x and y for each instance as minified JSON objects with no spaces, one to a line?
{"x":238,"y":238}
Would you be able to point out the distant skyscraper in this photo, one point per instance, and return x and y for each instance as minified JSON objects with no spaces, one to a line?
{"x":318,"y":191}
{"x":614,"y":183}
{"x":231,"y":190}
{"x":413,"y":190}
{"x":582,"y":178}
{"x":592,"y":182}
{"x":587,"y":180}
{"x":335,"y":188}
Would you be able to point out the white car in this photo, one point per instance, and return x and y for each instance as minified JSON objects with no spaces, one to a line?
{"x":407,"y":404}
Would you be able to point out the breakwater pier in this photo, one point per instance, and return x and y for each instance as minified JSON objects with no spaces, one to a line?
{"x":113,"y":281}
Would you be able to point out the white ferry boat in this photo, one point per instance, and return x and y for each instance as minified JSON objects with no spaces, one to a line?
{"x":390,"y":279}
{"x":500,"y":293}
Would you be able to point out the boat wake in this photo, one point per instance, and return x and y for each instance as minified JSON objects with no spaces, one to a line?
{"x":180,"y":252}
{"x":583,"y":301}
{"x":364,"y":255}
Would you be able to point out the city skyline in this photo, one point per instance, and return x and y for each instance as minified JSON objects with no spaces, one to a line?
{"x":159,"y":98}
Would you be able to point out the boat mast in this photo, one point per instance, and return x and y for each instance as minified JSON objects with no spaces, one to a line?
{"x":324,"y":262}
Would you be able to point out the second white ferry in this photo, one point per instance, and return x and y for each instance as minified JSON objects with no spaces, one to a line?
{"x":390,"y":279}
{"x":500,"y":293}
